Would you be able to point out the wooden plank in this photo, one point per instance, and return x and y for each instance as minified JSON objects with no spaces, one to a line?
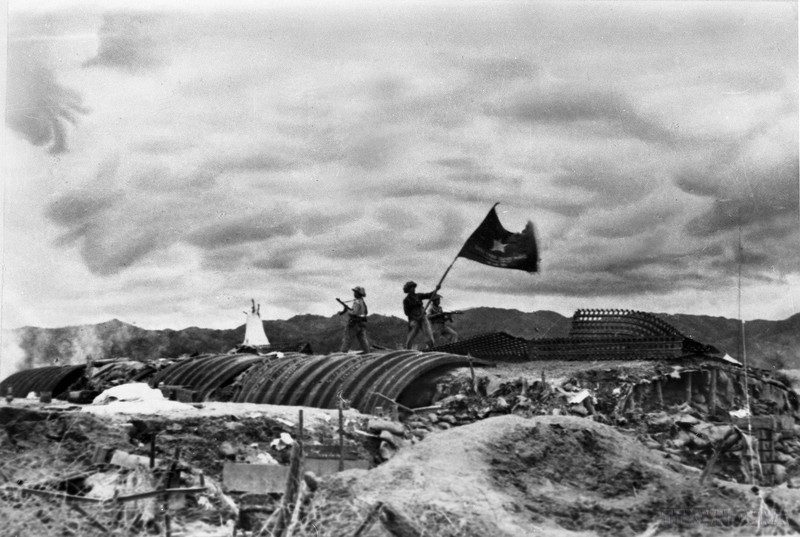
{"x":323,"y":467}
{"x":330,"y":452}
{"x":129,"y":460}
{"x":258,"y":478}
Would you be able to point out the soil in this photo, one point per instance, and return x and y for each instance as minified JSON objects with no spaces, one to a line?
{"x":552,"y":475}
{"x":501,"y":476}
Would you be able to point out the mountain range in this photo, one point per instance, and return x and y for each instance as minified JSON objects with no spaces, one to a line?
{"x":770,"y":344}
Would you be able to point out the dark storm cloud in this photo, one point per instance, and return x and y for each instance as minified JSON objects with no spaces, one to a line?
{"x":76,"y":208}
{"x":607,"y":186}
{"x":106,"y":255}
{"x":240,"y":230}
{"x":81,"y":206}
{"x":320,"y":221}
{"x":108,"y":243}
{"x":745,"y":197}
{"x":275,"y":261}
{"x":634,"y":222}
{"x":227,"y":259}
{"x":38,"y":107}
{"x":566,"y":106}
{"x":646,"y":281}
{"x":128,"y":41}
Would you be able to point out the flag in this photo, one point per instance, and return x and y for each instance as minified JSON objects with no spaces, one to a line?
{"x":491,"y":244}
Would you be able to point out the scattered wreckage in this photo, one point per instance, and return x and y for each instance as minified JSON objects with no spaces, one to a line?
{"x":624,"y":368}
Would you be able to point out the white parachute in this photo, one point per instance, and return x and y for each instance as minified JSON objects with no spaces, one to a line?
{"x":254,"y":334}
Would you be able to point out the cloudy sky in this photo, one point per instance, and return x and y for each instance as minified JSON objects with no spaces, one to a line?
{"x":164,"y":165}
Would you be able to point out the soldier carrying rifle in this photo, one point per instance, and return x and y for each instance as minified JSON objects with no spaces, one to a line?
{"x":356,"y":321}
{"x":439,"y":319}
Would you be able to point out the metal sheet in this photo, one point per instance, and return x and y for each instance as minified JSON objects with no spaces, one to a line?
{"x":339,"y":381}
{"x":259,"y":386}
{"x":53,"y":379}
{"x":297,"y":382}
{"x":397,"y":381}
{"x":204,"y":374}
{"x":222,"y":371}
{"x":331,"y":383}
{"x":314,"y":380}
{"x":175,"y":373}
{"x":365,"y":378}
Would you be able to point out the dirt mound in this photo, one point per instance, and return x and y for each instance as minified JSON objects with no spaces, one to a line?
{"x":587,"y":476}
{"x":551,"y":475}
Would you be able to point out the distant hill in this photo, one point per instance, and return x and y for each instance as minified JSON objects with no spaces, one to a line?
{"x":770,"y":344}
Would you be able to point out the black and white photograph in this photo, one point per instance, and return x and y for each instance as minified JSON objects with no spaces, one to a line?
{"x":400,"y":268}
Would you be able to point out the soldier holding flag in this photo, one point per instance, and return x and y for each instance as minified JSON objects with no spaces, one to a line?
{"x":490,"y":244}
{"x":414,"y":310}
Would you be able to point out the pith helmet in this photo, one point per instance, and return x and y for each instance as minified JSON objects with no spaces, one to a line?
{"x":409,"y":286}
{"x":436,"y":298}
{"x":360,"y":290}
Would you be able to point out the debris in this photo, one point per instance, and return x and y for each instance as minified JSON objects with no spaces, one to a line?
{"x":136,"y":391}
{"x":740,"y":413}
{"x":128,"y":460}
{"x":377,"y":424}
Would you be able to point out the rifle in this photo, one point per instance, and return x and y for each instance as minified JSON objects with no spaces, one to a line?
{"x":345,"y":309}
{"x":446,"y":315}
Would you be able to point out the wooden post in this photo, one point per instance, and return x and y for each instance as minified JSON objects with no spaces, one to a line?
{"x":397,"y":523}
{"x":659,"y":394}
{"x":712,"y":403}
{"x":290,"y":495}
{"x":300,"y":431}
{"x":729,"y":391}
{"x":152,"y":450}
{"x":171,"y":474}
{"x":471,"y":374}
{"x":688,"y":386}
{"x":341,"y":436}
{"x":630,"y":400}
{"x":369,"y":521}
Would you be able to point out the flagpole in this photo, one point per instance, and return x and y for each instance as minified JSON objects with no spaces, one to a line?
{"x":441,"y":280}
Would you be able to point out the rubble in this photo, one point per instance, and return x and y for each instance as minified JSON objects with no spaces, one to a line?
{"x":647,"y":436}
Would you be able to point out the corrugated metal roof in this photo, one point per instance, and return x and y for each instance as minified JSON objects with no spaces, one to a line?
{"x":315,"y":381}
{"x":53,"y":379}
{"x":206,"y":373}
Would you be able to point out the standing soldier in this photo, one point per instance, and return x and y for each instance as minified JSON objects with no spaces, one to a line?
{"x":415,"y":311}
{"x":356,"y":322}
{"x":439,"y":319}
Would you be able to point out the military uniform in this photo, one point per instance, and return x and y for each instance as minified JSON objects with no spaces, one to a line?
{"x":356,"y":326}
{"x":439,"y":320}
{"x":414,"y":309}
